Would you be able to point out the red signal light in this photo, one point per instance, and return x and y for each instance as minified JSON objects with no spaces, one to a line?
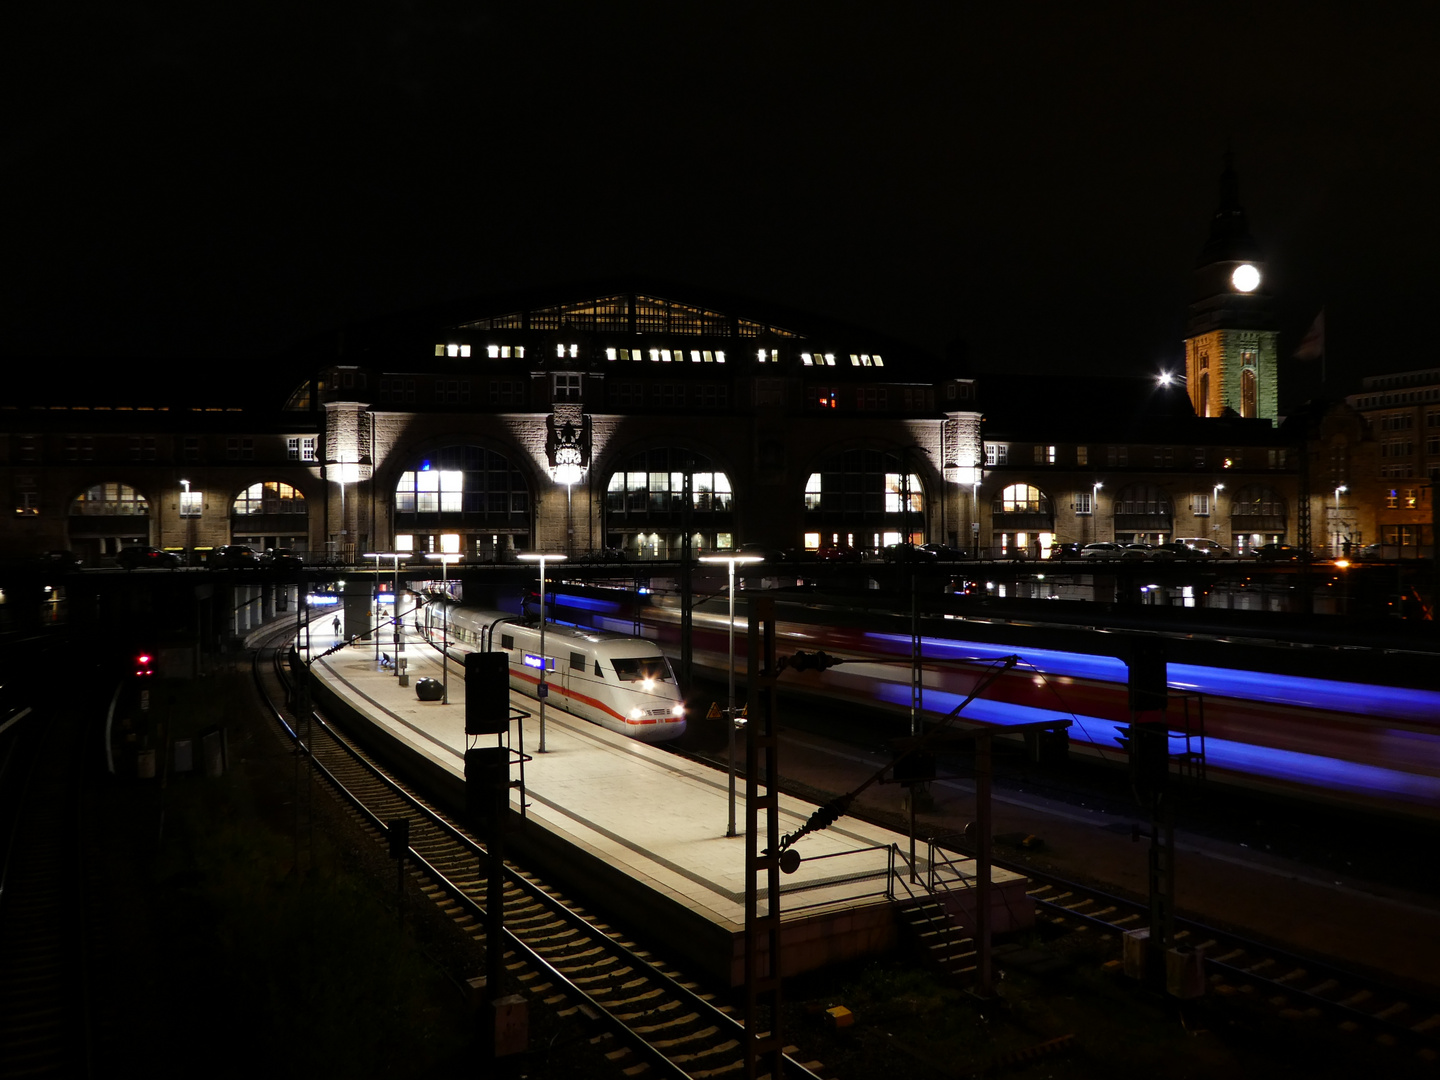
{"x":144,"y":664}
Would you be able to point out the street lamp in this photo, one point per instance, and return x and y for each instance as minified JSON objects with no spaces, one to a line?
{"x":446,"y":558}
{"x":542,"y":690}
{"x":730,"y":561}
{"x":395,"y":599}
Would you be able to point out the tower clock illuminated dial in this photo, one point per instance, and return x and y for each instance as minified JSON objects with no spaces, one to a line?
{"x":1245,"y":278}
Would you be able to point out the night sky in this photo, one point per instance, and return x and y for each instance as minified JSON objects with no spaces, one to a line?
{"x":218,"y":181}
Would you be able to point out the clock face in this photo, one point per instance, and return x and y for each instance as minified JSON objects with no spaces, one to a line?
{"x":1245,"y":278}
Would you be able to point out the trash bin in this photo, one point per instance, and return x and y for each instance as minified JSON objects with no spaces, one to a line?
{"x":429,"y":689}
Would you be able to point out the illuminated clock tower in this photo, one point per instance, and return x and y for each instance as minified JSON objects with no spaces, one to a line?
{"x":1230,"y":360}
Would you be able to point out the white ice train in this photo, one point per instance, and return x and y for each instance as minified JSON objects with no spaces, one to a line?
{"x":622,"y":683}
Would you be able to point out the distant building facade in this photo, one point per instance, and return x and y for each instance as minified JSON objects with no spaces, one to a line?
{"x":640,"y":418}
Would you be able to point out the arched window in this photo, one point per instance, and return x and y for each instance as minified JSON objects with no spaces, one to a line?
{"x":1023,"y":522}
{"x":1020,"y":499}
{"x":864,"y":498}
{"x":645,"y":504}
{"x":1205,"y":394}
{"x":270,"y":497}
{"x":110,"y":500}
{"x":1247,"y":392}
{"x":1257,"y":500}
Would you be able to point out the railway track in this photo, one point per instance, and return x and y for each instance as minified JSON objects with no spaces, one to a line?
{"x":1295,"y":986}
{"x":654,"y":1019}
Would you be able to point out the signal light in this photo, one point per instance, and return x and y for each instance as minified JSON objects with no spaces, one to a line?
{"x":144,"y":665}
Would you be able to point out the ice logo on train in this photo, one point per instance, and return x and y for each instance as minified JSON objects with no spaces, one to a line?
{"x":622,"y":683}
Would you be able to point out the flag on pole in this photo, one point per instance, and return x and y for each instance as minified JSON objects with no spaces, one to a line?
{"x":1312,"y":345}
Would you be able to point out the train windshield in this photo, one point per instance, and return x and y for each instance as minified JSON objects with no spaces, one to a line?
{"x":644,"y":669}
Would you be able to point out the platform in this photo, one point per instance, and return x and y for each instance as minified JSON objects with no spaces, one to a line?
{"x":645,"y":829}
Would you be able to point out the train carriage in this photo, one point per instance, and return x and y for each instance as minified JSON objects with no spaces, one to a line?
{"x":623,"y":683}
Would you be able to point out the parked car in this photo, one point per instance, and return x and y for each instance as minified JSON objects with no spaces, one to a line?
{"x":234,"y":555}
{"x":832,"y":553}
{"x":1066,"y":550}
{"x":1202,"y":546}
{"x":281,"y":559}
{"x":141,"y":558}
{"x":1282,"y":553}
{"x":604,"y":555}
{"x":1174,"y":550}
{"x":1104,"y":549}
{"x":1136,"y":551}
{"x":758,"y":551}
{"x":909,"y":553}
{"x":60,"y":560}
{"x":946,"y":553}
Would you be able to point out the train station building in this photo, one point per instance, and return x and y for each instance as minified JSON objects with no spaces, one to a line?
{"x":634,"y":416}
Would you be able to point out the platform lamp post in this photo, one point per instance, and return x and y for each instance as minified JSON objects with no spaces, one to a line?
{"x":730,"y":561}
{"x":446,"y":558}
{"x":375,"y":600}
{"x":396,"y":556}
{"x":542,"y":690}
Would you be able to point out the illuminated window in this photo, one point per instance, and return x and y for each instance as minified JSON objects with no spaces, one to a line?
{"x":110,"y":500}
{"x":191,"y":503}
{"x":1082,"y":455}
{"x":1084,"y":502}
{"x":273,"y":497}
{"x":997,"y":454}
{"x":506,"y":352}
{"x":27,"y":498}
{"x":1020,"y":499}
{"x":571,"y":351}
{"x":307,"y":449}
{"x":896,"y":489}
{"x":863,"y":490}
{"x":1044,"y":455}
{"x":765,"y":356}
{"x":1201,"y":505}
{"x":469,"y":480}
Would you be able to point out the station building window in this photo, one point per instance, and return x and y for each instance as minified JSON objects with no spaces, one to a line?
{"x":645,"y":507}
{"x":865,"y":492}
{"x":474,"y":493}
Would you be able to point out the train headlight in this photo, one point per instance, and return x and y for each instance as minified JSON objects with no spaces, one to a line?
{"x":635,"y":713}
{"x":649,"y":685}
{"x":678,"y":710}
